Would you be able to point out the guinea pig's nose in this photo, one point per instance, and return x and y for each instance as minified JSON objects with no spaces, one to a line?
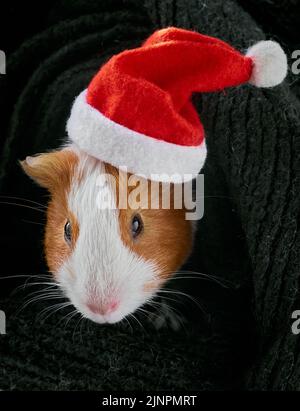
{"x":104,"y":308}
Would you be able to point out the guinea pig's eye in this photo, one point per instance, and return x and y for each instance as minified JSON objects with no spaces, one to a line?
{"x":68,"y":232}
{"x":136,"y":225}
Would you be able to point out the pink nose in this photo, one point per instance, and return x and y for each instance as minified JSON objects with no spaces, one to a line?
{"x":104,"y":308}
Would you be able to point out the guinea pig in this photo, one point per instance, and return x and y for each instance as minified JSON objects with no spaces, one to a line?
{"x":108,"y":261}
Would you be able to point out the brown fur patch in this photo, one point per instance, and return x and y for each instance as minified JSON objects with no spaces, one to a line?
{"x":166,"y":238}
{"x":52,"y":170}
{"x":57,"y":250}
{"x":55,"y":171}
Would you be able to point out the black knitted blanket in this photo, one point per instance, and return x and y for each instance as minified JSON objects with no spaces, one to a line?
{"x":237,"y":335}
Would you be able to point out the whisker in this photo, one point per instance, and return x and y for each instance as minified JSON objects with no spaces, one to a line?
{"x":23,"y":199}
{"x":50,"y":285}
{"x":78,"y":322}
{"x":162,"y":303}
{"x":196,"y":275}
{"x":181,"y":294}
{"x":40,"y":317}
{"x":22,"y":205}
{"x":8,"y":277}
{"x":35,"y":299}
{"x":164,"y":306}
{"x":50,"y":289}
{"x":44,"y":296}
{"x":143,"y":310}
{"x":134,"y":317}
{"x":69,"y":317}
{"x":189,"y":274}
{"x":128,"y":322}
{"x":82,"y":323}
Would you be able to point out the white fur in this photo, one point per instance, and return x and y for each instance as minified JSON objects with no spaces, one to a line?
{"x":142,"y":155}
{"x":270,"y":64}
{"x":101,"y":267}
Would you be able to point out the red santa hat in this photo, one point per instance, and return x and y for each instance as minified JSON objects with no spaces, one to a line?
{"x":137,"y":110}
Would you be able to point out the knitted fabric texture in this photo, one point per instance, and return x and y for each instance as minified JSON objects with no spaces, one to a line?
{"x":249,"y":237}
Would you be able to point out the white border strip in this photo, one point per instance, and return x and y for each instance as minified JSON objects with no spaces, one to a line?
{"x":115,"y":144}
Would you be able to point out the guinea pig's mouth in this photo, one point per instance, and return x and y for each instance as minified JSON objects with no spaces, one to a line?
{"x":110,"y":318}
{"x":104,"y":319}
{"x":114,"y":312}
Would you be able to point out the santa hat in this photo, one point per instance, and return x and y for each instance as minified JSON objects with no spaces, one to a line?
{"x":137,"y":110}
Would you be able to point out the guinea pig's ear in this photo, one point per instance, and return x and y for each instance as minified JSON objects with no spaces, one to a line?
{"x":50,"y":170}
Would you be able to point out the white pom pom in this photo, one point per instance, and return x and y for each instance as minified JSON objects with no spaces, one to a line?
{"x":270,"y":64}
